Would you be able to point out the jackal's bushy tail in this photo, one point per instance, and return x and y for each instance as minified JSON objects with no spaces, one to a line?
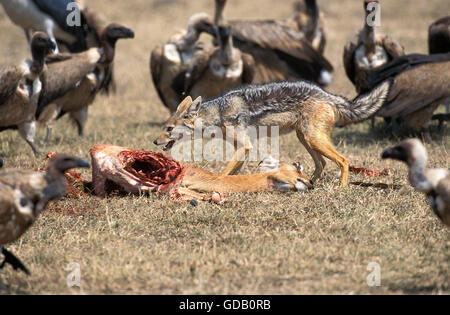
{"x":365,"y":105}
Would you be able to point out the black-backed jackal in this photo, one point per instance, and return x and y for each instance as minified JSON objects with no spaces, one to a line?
{"x":301,"y":106}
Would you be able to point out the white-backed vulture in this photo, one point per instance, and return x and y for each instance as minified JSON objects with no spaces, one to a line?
{"x":211,"y":74}
{"x":20,"y":88}
{"x":280,"y":52}
{"x":72,"y":80}
{"x":168,"y":63}
{"x":310,"y":20}
{"x":435,"y":183}
{"x":420,"y":85}
{"x":50,"y":16}
{"x":24,"y":194}
{"x":370,"y":51}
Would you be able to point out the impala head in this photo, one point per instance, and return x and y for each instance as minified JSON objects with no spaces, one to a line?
{"x":410,"y":151}
{"x":176,"y":125}
{"x":285,"y":176}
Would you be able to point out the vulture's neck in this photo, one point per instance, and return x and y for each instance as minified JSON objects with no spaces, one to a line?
{"x":369,"y":39}
{"x":56,"y":183}
{"x":37,"y":66}
{"x":108,"y":46}
{"x":417,"y":176}
{"x":227,"y":52}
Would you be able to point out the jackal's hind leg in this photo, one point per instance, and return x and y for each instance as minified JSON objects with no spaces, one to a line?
{"x":319,"y":161}
{"x":327,"y":149}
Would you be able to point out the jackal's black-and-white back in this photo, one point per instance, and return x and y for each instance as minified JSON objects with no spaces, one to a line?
{"x":248,"y":104}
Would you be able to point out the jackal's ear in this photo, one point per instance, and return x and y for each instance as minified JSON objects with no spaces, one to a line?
{"x":195,"y":105}
{"x":185,"y":104}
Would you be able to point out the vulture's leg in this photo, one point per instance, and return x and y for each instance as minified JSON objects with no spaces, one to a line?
{"x":395,"y":126}
{"x":13,"y":261}
{"x":27,"y":35}
{"x":48,"y":118}
{"x":80,"y":118}
{"x":28,"y":131}
{"x":48,"y":135}
{"x":425,"y":133}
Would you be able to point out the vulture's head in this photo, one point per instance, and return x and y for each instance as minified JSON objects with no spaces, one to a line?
{"x":41,"y":45}
{"x":368,"y":5}
{"x":114,"y":32}
{"x":62,"y":163}
{"x":198,"y":23}
{"x":409,"y":151}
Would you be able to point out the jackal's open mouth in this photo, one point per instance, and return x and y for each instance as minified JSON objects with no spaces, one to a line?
{"x":169,"y":145}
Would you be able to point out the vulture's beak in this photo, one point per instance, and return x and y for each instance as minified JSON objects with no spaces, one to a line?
{"x":81,"y":163}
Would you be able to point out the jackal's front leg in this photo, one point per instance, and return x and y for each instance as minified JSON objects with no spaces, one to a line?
{"x":242,"y":146}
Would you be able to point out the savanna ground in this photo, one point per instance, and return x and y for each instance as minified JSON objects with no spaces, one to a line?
{"x":268,"y":243}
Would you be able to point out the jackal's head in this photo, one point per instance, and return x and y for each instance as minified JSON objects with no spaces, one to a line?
{"x":177,"y":125}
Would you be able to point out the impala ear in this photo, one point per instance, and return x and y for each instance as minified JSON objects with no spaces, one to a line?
{"x":299,"y":167}
{"x":185,"y":104}
{"x":195,"y":105}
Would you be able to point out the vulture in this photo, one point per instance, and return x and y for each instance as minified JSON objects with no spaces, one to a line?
{"x":370,"y":52}
{"x":435,"y":183}
{"x":280,"y":51}
{"x":72,"y":80}
{"x":309,"y":20}
{"x":439,"y":41}
{"x":420,"y":85}
{"x":211,"y":74}
{"x":169,"y":62}
{"x":24,"y":194}
{"x":51,"y":17}
{"x":20,"y":88}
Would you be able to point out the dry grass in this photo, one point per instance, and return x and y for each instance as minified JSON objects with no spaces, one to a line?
{"x":318,"y":242}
